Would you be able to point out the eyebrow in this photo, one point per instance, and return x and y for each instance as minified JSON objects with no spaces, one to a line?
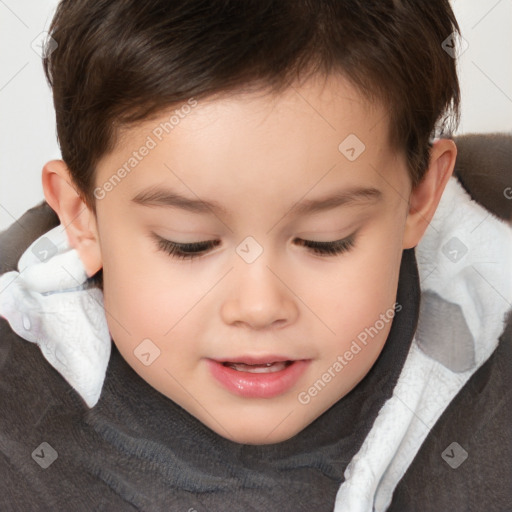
{"x":161,"y":197}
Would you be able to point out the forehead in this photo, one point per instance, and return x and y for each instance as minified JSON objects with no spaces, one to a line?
{"x":310,"y":136}
{"x":329,"y":104}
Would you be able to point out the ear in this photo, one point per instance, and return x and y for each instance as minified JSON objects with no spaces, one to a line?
{"x":74,"y":215}
{"x":425,"y":197}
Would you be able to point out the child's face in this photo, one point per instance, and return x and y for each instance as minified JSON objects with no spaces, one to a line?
{"x":258,"y":293}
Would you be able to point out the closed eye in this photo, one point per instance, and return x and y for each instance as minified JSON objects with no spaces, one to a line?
{"x":198,"y":249}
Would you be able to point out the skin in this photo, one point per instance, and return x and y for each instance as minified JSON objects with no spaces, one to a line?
{"x":257,"y":155}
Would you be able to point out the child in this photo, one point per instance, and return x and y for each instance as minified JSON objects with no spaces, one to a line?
{"x":224,"y":310}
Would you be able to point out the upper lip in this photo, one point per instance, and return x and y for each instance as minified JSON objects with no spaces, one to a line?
{"x":260,"y":359}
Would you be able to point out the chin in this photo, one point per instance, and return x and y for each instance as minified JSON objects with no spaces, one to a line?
{"x":258,"y":434}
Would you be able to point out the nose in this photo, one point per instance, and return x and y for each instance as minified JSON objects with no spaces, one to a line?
{"x":259,"y":297}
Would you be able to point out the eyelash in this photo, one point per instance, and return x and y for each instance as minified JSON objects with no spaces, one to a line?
{"x":197,"y":249}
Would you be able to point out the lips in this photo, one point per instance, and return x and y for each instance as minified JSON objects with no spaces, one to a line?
{"x":258,"y":376}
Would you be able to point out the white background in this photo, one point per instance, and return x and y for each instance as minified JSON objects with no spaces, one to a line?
{"x":27,"y":119}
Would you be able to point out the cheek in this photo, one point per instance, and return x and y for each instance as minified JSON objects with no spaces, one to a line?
{"x":366,"y":284}
{"x":133,"y":287}
{"x":145,"y":293}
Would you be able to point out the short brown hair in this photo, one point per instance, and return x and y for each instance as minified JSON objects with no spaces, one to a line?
{"x":120,"y":62}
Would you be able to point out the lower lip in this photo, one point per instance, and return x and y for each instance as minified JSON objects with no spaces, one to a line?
{"x":258,"y":385}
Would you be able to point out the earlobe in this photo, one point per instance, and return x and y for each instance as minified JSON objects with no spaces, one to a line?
{"x":80,"y":222}
{"x":425,"y":197}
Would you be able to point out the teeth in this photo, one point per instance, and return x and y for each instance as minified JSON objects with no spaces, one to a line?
{"x":259,"y":368}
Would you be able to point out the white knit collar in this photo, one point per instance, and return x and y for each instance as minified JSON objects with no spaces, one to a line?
{"x":48,"y":302}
